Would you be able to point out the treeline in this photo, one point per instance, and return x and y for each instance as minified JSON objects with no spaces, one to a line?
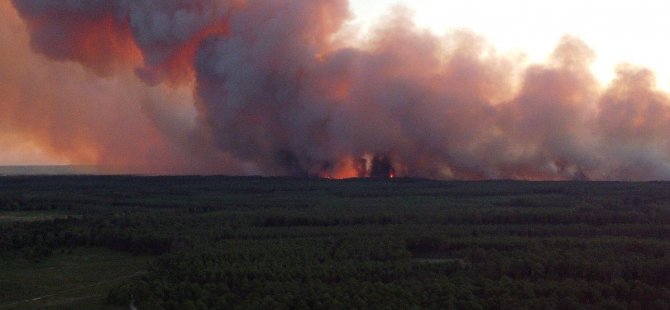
{"x":36,"y":240}
{"x":350,"y":273}
{"x":492,"y":217}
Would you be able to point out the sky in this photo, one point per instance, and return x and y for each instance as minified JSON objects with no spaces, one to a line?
{"x":620,"y":31}
{"x":532,"y":90}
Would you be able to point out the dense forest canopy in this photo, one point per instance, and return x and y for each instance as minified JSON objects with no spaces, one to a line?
{"x":228,"y":242}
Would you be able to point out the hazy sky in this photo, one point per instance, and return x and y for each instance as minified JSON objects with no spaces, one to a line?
{"x":632,"y":31}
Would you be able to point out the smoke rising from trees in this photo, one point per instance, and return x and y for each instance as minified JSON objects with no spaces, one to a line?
{"x":279,"y":88}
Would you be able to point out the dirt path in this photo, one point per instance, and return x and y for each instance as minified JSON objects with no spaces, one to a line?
{"x":15,"y":303}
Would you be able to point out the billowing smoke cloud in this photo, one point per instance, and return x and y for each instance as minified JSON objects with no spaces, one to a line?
{"x":78,"y":117}
{"x":102,"y":34}
{"x":276,"y":88}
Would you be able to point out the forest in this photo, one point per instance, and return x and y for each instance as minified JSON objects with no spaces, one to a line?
{"x":196,"y":242}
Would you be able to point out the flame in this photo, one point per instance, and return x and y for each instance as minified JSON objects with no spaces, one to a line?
{"x":344,"y":169}
{"x":392,"y":174}
{"x":366,"y":166}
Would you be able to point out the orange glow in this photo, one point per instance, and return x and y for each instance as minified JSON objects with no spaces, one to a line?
{"x":344,"y":169}
{"x":104,"y":45}
{"x":178,"y":68}
{"x":367,"y":166}
{"x":107,"y":37}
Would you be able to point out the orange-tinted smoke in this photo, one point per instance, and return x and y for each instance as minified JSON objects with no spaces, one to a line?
{"x":177,"y":68}
{"x":145,"y":35}
{"x":116,"y":123}
{"x":279,"y":90}
{"x":102,"y":44}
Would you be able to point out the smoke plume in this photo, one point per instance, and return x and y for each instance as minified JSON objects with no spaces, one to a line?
{"x":284,"y":87}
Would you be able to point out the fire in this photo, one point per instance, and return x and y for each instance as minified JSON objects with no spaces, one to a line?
{"x":344,"y":169}
{"x":367,"y":166}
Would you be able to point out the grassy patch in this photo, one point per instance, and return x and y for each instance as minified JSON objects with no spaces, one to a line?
{"x":78,"y":280}
{"x":31,"y":216}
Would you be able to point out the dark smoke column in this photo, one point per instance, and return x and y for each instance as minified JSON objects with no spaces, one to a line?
{"x":259,"y":85}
